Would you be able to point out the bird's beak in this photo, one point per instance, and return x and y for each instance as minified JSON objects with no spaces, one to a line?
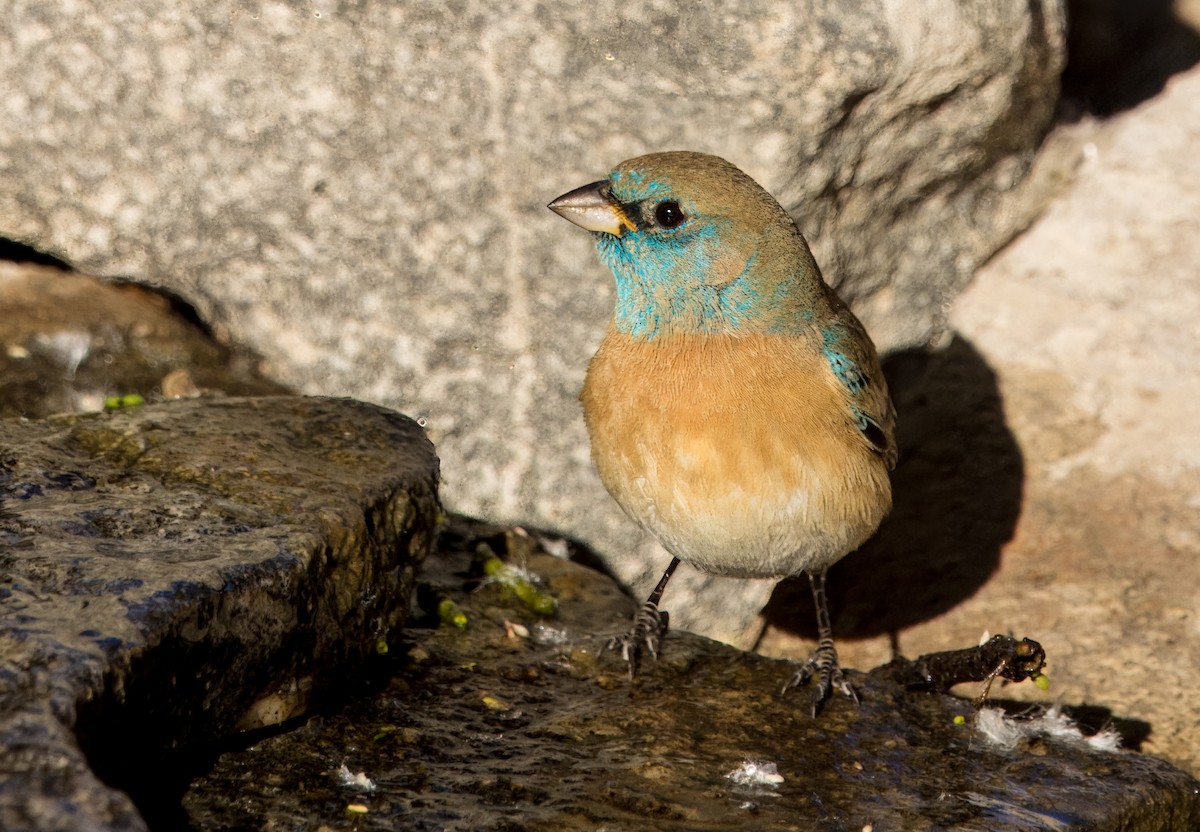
{"x":593,"y":208}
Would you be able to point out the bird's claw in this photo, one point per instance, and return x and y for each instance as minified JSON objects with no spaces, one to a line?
{"x":823,"y":664}
{"x":649,"y":626}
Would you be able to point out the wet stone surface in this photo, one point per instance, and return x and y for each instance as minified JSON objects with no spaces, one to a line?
{"x":487,"y":727}
{"x":69,"y":342}
{"x":171,"y":574}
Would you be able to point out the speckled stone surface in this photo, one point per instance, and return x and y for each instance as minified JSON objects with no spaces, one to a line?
{"x":357,"y":191}
{"x":176,"y":572}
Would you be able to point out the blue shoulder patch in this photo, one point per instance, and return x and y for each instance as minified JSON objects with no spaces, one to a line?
{"x":846,"y":369}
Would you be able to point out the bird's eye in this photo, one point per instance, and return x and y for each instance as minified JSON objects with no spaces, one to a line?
{"x":668,"y":214}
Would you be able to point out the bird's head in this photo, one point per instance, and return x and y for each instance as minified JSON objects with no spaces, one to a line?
{"x":696,"y":246}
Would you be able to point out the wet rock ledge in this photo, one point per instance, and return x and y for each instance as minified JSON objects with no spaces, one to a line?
{"x":500,"y":716}
{"x":175,"y":573}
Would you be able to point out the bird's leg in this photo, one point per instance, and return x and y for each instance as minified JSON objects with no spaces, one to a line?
{"x":824,"y":661}
{"x":649,"y":626}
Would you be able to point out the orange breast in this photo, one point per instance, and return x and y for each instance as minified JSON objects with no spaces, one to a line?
{"x":738,"y":453}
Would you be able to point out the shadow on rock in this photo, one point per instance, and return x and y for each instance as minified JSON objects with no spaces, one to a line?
{"x":957,"y":492}
{"x":18,"y":252}
{"x":1120,"y":54}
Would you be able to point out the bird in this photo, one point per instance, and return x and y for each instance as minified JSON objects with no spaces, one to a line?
{"x":736,"y":407}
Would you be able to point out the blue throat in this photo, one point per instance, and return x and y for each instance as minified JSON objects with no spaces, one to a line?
{"x":661,"y":289}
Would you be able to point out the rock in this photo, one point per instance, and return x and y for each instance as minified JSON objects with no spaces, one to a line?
{"x":518,"y":723}
{"x":174,"y":573}
{"x":1089,"y":321}
{"x":70,"y":342}
{"x":1087,"y":324}
{"x":357,"y":192}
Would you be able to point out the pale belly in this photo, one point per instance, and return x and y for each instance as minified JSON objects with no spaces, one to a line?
{"x":748,"y":471}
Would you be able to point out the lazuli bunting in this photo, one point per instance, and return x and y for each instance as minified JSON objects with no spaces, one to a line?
{"x":736,"y":407}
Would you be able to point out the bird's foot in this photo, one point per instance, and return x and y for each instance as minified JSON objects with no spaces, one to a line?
{"x":649,"y":627}
{"x":823,"y":664}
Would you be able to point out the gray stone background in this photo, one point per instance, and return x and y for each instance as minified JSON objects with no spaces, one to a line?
{"x":356,"y":191}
